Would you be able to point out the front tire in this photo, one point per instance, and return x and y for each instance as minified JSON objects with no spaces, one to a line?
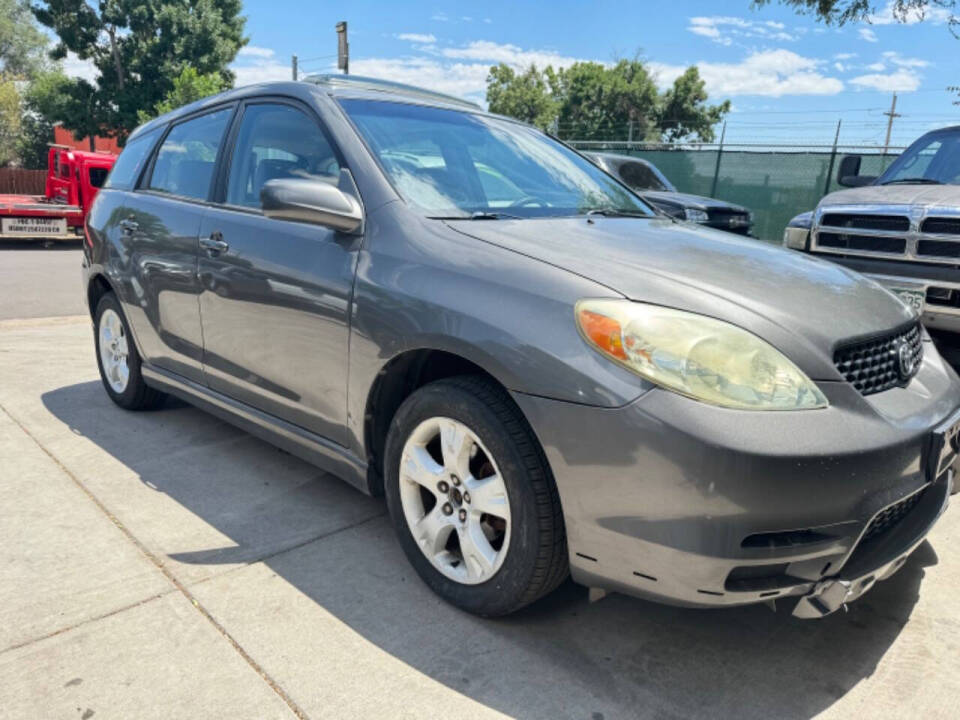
{"x":118,"y":359}
{"x":472,"y":498}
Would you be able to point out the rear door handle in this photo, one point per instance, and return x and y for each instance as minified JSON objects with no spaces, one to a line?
{"x":129,"y":225}
{"x":214,"y":244}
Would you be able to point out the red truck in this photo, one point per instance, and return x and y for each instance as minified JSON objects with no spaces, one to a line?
{"x":73,"y":179}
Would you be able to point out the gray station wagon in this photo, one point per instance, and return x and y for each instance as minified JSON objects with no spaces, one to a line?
{"x":540,"y":374}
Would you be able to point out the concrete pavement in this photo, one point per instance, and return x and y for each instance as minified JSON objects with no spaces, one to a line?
{"x":165,"y":564}
{"x":39,"y":282}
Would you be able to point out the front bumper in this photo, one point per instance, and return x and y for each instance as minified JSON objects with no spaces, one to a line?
{"x":695,"y":505}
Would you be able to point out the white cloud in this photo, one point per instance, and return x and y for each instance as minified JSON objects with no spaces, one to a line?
{"x":724,"y":29}
{"x":254,"y":51}
{"x":844,"y":56}
{"x":771,"y":73}
{"x":257,"y":65}
{"x":510,"y":54}
{"x":876,"y":67}
{"x":903,"y":80}
{"x":867,"y":34}
{"x":905,"y":62}
{"x":75,"y":67}
{"x":417,"y":37}
{"x":887,"y":16}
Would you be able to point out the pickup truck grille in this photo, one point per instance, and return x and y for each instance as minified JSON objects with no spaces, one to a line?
{"x":856,"y":231}
{"x":894,"y":223}
{"x":873,"y":365}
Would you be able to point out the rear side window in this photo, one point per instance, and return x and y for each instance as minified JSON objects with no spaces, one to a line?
{"x":639,"y":176}
{"x":97,"y":176}
{"x":127,"y":167}
{"x":277,"y":141}
{"x":186,"y":159}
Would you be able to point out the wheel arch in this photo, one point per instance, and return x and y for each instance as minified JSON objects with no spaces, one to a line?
{"x":97,"y":287}
{"x":400,"y":377}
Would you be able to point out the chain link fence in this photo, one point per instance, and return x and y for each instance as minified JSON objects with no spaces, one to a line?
{"x":775,"y":182}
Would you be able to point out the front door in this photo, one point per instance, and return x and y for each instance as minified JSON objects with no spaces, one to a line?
{"x":275,"y":294}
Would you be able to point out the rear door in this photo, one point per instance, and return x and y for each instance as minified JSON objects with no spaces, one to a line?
{"x":160,"y":227}
{"x":275,"y":294}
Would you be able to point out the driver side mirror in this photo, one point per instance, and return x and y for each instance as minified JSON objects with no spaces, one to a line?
{"x":312,"y":201}
{"x":848,"y":174}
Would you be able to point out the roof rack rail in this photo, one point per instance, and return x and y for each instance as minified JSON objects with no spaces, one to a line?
{"x":376,"y":84}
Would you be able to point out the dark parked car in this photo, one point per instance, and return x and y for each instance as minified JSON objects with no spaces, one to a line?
{"x":542,"y":375}
{"x":648,"y":182}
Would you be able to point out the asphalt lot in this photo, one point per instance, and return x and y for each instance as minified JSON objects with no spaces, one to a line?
{"x":165,"y":564}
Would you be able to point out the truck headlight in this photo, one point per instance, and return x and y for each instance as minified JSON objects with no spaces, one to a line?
{"x":694,"y":215}
{"x":696,"y":356}
{"x":797,"y":233}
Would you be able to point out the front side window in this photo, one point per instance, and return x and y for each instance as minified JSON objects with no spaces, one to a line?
{"x":449,"y":163}
{"x":277,"y":141}
{"x":127,"y":166}
{"x":186,"y":159}
{"x":97,"y":176}
{"x":933,"y":159}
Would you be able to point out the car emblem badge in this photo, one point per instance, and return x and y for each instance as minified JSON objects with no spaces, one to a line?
{"x":905,"y":361}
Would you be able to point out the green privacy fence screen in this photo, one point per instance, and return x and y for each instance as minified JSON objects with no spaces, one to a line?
{"x":776,"y":183}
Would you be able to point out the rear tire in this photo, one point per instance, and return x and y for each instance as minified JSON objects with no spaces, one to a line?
{"x":501,"y":548}
{"x":118,"y":359}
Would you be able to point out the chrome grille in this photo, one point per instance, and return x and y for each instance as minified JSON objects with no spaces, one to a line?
{"x":873,"y":366}
{"x":888,"y":231}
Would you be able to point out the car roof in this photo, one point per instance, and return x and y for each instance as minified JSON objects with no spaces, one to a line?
{"x":345,"y":86}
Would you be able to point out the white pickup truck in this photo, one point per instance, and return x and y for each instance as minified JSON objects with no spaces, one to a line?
{"x":901,"y":228}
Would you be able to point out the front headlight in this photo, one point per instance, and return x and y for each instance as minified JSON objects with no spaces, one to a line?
{"x":696,"y":356}
{"x":694,"y":215}
{"x":797,"y":233}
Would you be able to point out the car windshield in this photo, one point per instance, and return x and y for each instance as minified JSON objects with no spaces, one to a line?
{"x":934,"y":159}
{"x":455,"y":164}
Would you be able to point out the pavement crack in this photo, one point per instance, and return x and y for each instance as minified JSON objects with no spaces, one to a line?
{"x":264,"y":675}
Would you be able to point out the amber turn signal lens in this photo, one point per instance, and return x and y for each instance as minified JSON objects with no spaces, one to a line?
{"x":604,"y":332}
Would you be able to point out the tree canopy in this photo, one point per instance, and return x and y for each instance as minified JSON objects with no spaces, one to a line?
{"x":591,"y":101}
{"x":138,"y":50}
{"x":23,"y":47}
{"x":840,"y":12}
{"x":188,"y":87}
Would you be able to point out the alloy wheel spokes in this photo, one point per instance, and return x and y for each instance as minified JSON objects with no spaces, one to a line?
{"x":459,"y":521}
{"x":114,"y":351}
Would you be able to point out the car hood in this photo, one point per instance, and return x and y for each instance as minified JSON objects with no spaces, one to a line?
{"x":942,"y":195}
{"x":802,"y":305}
{"x":698,"y":202}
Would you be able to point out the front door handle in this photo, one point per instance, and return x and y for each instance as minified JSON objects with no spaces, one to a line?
{"x":215,"y":244}
{"x":129,"y":225}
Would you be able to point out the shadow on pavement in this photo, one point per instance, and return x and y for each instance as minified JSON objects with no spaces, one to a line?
{"x":561,"y":657}
{"x":40,"y":244}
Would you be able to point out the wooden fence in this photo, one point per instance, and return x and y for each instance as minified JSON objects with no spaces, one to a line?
{"x":17,"y":181}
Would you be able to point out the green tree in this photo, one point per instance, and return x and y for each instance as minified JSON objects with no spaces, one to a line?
{"x":46,"y":97}
{"x":138,"y":49}
{"x":590,"y":101}
{"x":682,"y":111}
{"x":23,"y":47}
{"x":526,"y":96}
{"x":840,"y":12}
{"x":9,"y":121}
{"x":188,"y":87}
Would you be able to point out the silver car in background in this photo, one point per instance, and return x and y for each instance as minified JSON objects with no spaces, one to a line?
{"x":541,"y":374}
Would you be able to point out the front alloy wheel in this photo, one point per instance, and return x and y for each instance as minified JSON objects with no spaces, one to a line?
{"x":454,"y":500}
{"x":472,"y":498}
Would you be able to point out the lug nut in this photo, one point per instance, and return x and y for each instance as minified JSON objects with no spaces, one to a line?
{"x":443,"y":487}
{"x":466,"y":497}
{"x":455,"y":480}
{"x":447,"y":509}
{"x":462,"y":515}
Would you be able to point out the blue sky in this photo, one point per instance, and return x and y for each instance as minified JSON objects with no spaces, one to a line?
{"x":790,"y":79}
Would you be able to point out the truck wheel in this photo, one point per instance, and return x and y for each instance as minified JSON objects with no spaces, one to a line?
{"x":472,"y":499}
{"x":118,"y":359}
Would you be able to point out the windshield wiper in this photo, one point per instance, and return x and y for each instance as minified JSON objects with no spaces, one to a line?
{"x":479,"y":215}
{"x":913,"y":181}
{"x":614,"y":212}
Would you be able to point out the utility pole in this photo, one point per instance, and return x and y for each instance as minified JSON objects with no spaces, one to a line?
{"x":293,"y":67}
{"x":716,"y":170}
{"x":890,"y":116}
{"x":833,"y":158}
{"x":343,"y":48}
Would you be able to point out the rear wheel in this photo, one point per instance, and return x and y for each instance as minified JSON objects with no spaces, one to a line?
{"x":118,"y":359}
{"x":472,"y":499}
